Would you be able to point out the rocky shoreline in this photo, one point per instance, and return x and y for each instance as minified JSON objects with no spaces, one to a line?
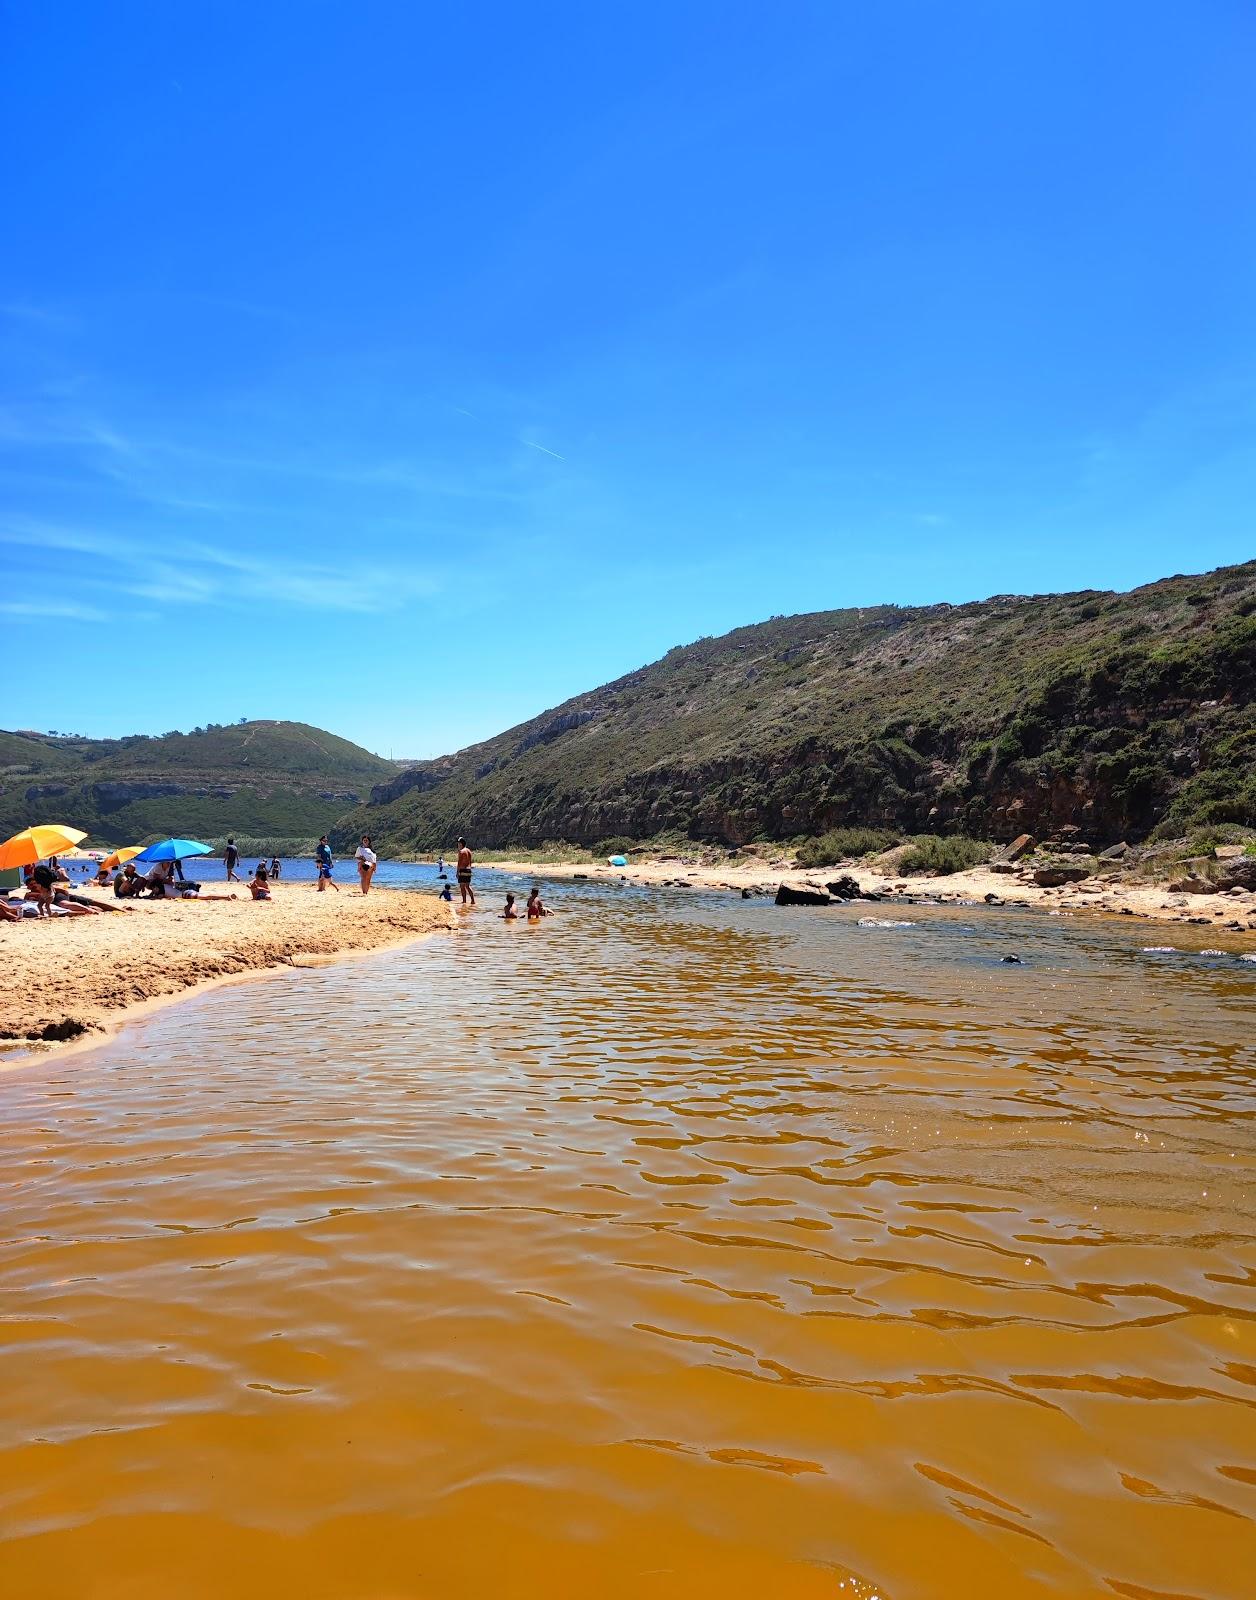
{"x":1220,"y":901}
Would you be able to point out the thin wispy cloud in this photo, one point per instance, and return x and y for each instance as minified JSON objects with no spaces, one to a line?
{"x":544,"y":449}
{"x":216,"y":575}
{"x":43,"y":611}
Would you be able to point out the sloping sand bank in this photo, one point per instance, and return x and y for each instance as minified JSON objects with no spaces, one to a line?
{"x":72,"y":975}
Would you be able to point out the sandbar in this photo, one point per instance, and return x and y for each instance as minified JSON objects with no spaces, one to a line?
{"x":65,"y":977}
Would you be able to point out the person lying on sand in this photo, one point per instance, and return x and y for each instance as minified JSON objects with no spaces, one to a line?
{"x":75,"y":906}
{"x":259,"y":884}
{"x":8,"y":914}
{"x":536,"y":910}
{"x":510,"y":914}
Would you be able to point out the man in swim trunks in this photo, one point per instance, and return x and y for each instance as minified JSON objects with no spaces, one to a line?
{"x":464,"y":872}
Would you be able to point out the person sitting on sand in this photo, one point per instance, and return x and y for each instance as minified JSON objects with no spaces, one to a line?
{"x":161,"y":881}
{"x":510,"y":914}
{"x":536,"y":910}
{"x":259,"y":884}
{"x":103,"y":878}
{"x":39,"y":880}
{"x":128,"y":883}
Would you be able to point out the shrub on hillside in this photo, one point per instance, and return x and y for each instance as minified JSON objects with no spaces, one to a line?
{"x":927,"y":853}
{"x":843,"y":844}
{"x":1202,"y":841}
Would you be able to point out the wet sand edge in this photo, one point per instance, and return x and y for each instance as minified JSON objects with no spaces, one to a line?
{"x":16,"y":1052}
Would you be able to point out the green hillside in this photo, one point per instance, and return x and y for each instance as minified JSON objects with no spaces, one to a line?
{"x":1112,"y":712}
{"x":271,"y":780}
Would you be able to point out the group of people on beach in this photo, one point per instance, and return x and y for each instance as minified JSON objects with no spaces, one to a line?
{"x":47,"y":884}
{"x":47,"y":893}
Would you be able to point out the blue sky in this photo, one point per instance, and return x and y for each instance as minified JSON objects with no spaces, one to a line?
{"x":405,"y":369}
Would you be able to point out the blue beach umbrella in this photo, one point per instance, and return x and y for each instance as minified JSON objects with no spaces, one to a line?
{"x":174,"y":850}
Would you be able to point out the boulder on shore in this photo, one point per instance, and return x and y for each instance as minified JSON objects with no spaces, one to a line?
{"x":1020,"y":846}
{"x":844,"y":888}
{"x":1239,"y":874}
{"x":787,"y":896}
{"x":1114,"y":852}
{"x":1053,"y":877}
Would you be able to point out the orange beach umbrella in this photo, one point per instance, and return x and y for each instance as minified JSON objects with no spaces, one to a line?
{"x":33,"y":844}
{"x":127,"y":853}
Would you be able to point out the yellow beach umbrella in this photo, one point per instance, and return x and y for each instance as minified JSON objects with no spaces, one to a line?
{"x":33,"y":844}
{"x":127,"y":853}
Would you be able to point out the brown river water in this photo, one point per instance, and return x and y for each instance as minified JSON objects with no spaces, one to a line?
{"x":678,"y":1246}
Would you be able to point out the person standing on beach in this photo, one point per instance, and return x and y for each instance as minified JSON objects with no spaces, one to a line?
{"x":367,"y":860}
{"x":322,"y":856}
{"x":464,"y":872}
{"x":232,"y":857}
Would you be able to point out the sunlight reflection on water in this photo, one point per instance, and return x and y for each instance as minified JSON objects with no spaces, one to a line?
{"x":679,"y":1245}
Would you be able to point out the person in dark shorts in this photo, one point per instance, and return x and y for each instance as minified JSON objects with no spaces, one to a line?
{"x":464,"y":872}
{"x":232,"y":857}
{"x":323,"y":856}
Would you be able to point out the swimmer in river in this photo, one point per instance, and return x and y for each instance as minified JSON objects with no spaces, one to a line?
{"x":510,"y":914}
{"x":536,"y":910}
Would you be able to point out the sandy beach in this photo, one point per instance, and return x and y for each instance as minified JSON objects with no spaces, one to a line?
{"x":70,"y":976}
{"x":1233,"y":911}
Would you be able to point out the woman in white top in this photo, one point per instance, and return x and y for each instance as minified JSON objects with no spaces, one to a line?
{"x":366,"y":863}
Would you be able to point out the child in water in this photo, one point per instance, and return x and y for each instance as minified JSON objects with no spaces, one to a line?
{"x":510,"y":914}
{"x":445,"y":894}
{"x":535,"y":909}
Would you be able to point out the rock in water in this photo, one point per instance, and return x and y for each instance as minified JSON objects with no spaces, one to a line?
{"x":844,"y":888}
{"x":785,"y":896}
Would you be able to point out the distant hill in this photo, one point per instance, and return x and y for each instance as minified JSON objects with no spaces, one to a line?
{"x":268,"y":780}
{"x":1112,"y":712}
